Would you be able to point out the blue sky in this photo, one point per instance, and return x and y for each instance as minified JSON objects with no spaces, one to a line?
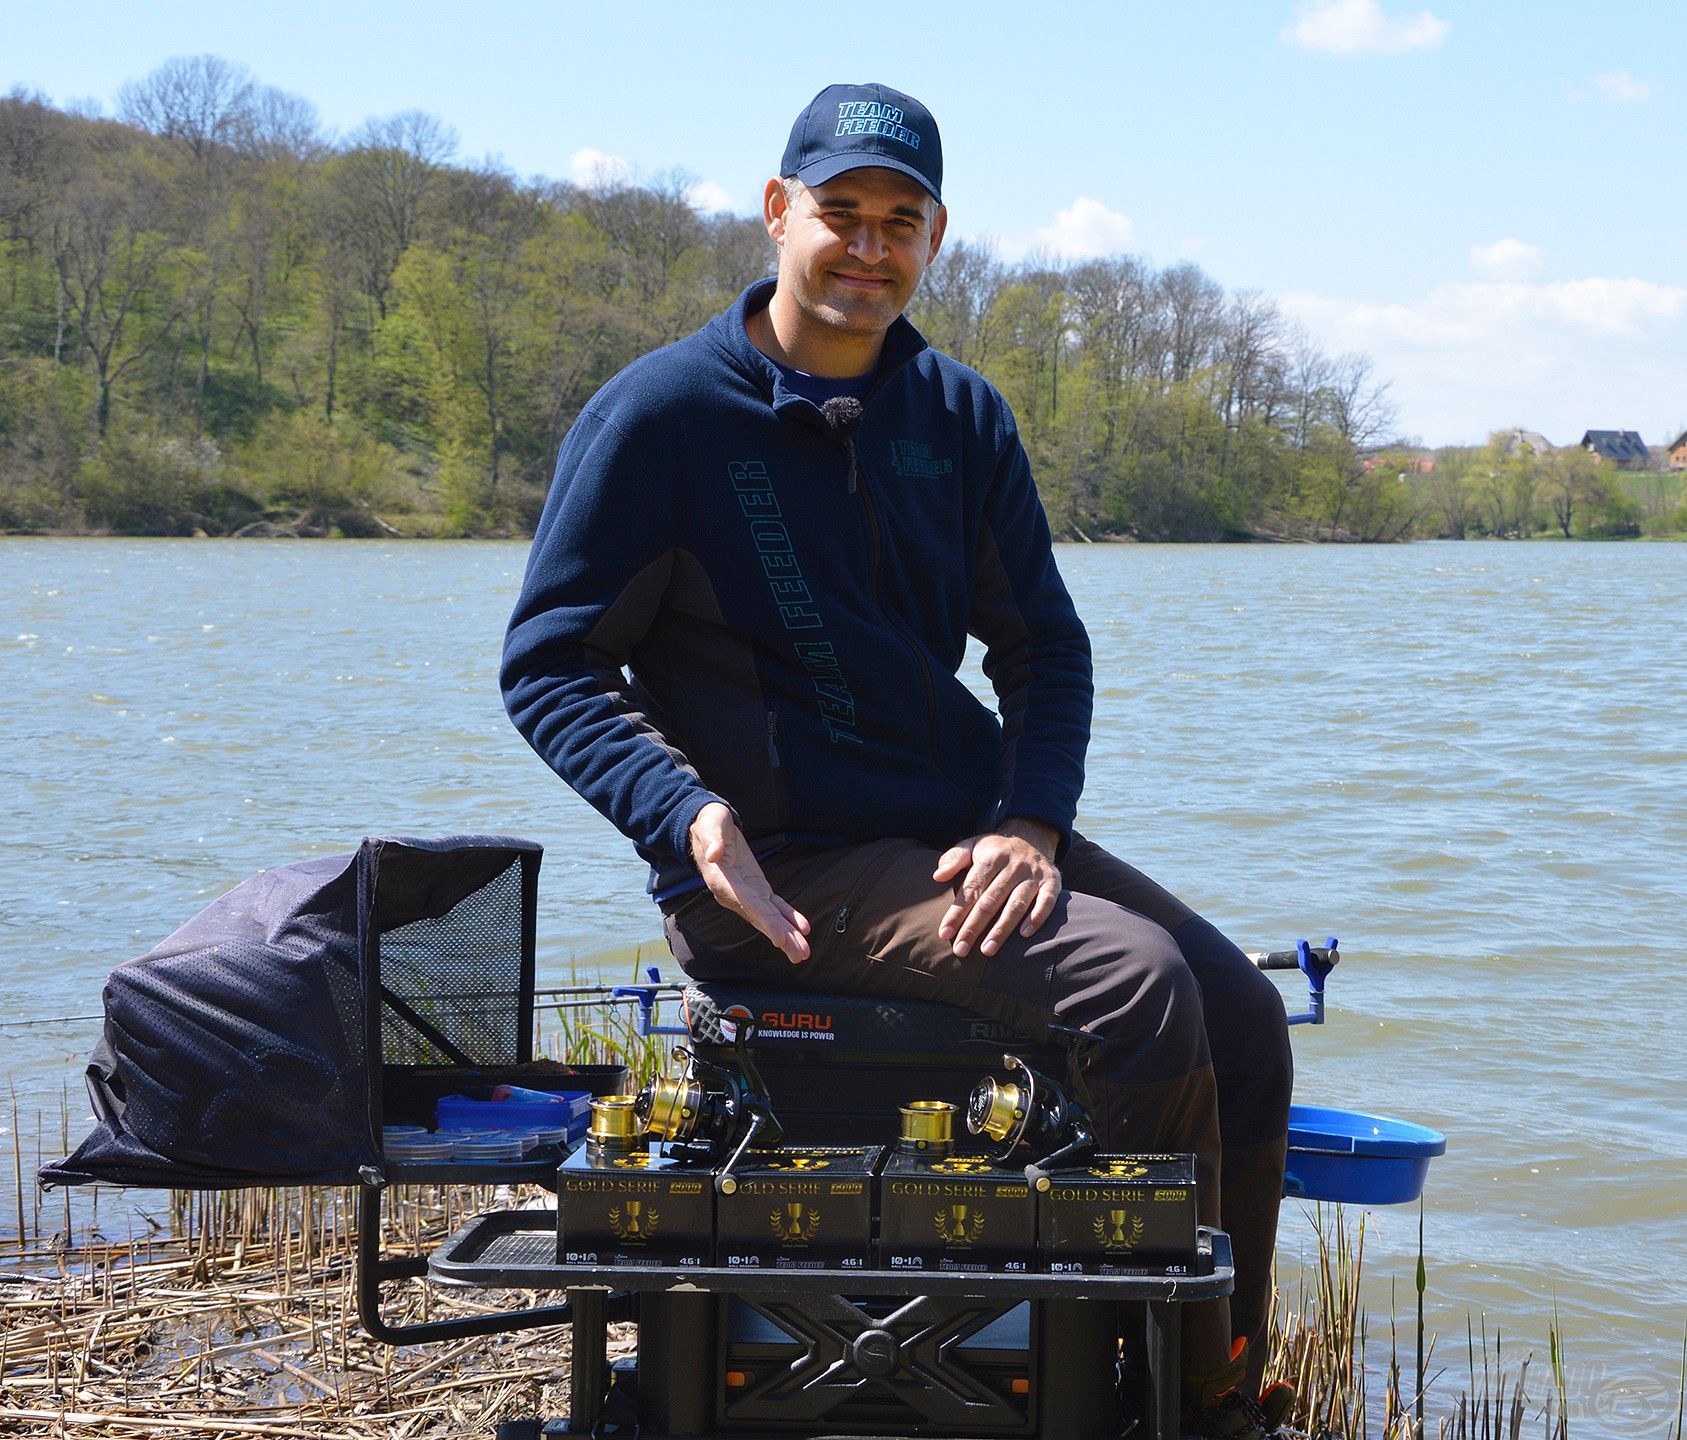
{"x":1486,"y":197}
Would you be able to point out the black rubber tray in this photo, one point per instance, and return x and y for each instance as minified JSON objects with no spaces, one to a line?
{"x":516,"y":1250}
{"x":463,"y":1172}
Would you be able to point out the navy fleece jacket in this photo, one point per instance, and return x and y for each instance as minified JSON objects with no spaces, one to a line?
{"x":792,"y":603}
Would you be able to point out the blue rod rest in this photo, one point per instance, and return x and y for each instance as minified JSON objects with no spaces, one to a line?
{"x":647,"y":1001}
{"x":1317,"y":969}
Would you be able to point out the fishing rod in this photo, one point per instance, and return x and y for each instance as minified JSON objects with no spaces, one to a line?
{"x":1313,"y":961}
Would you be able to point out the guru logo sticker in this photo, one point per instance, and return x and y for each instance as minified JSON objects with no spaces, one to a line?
{"x":633,"y":1222}
{"x":797,"y":1162}
{"x":1118,"y":1230}
{"x":794,"y":1223}
{"x":959,"y":1225}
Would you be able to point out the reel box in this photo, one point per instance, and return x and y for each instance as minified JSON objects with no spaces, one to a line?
{"x":1119,"y":1215}
{"x":956,"y":1213}
{"x":799,"y":1208}
{"x":633,"y":1206}
{"x":948,"y":1212}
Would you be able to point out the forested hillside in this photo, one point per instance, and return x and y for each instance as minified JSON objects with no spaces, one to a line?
{"x":213,"y":318}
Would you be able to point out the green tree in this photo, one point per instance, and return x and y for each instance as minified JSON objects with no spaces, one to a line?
{"x":333,"y":477}
{"x":46,"y":413}
{"x":383,"y":184}
{"x":1450,"y":493}
{"x":1570,"y":479}
{"x":1508,"y":479}
{"x":376,"y":331}
{"x":112,"y":256}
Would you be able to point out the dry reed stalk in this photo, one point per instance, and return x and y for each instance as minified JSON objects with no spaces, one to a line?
{"x":299,"y":1374}
{"x":17,"y":1163}
{"x":221,"y":1331}
{"x":146,"y":1423}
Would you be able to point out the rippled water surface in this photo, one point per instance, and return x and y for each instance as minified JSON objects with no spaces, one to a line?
{"x":1467,"y":761}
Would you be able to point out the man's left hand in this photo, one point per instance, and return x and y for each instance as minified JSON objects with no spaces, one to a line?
{"x":1010,"y":879}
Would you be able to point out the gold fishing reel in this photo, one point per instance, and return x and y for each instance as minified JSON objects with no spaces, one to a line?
{"x":672,"y":1106}
{"x":1002,"y":1109}
{"x":1031,"y":1110}
{"x":714,"y":1112}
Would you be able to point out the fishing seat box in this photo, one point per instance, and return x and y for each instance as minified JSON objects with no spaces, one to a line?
{"x":269,"y":1039}
{"x":839,"y":1067}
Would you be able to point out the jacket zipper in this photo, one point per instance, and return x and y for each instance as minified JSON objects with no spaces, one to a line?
{"x":875,"y":537}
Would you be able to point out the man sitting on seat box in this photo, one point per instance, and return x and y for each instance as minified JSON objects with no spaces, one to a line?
{"x":786,"y":526}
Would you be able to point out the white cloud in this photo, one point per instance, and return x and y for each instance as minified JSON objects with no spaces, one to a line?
{"x":596,"y":167}
{"x":1084,"y":229}
{"x":1488,"y":309}
{"x":1621,"y":88}
{"x":1558,"y":356}
{"x":1359,"y":27}
{"x":1590,"y":307}
{"x":709,"y":197}
{"x":1507,"y":259}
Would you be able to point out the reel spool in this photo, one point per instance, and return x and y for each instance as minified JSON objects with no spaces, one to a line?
{"x":928,"y":1129}
{"x":1034,"y":1111}
{"x":615,"y":1124}
{"x":677,"y":1107}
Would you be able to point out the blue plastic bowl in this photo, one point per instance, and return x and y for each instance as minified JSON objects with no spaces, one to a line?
{"x":1357,"y":1159}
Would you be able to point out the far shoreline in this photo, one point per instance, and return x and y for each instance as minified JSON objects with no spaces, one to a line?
{"x":286,"y":533}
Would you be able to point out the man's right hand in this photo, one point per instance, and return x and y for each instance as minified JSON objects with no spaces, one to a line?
{"x":730,"y":870}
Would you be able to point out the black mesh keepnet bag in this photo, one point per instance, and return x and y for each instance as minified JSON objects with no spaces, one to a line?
{"x":248,"y":1048}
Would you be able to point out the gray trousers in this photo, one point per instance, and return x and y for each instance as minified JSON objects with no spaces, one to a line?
{"x":1193,"y":1052}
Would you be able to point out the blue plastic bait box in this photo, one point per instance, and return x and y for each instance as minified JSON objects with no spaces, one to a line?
{"x":570,"y":1109}
{"x":1354,"y":1158}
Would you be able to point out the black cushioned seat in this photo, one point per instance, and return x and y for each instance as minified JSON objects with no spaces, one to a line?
{"x":838,"y":1067}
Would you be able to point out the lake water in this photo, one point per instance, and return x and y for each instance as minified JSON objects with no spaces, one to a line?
{"x":1468,"y":761}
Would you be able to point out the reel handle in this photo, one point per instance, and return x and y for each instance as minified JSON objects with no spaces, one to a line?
{"x":726,"y":1183}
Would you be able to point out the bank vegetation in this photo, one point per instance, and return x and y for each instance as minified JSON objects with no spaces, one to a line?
{"x":215,"y":318}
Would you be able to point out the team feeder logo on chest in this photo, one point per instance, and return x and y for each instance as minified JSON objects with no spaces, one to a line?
{"x":793,"y":601}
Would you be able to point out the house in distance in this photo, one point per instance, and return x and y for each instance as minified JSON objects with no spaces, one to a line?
{"x":1623,"y":448}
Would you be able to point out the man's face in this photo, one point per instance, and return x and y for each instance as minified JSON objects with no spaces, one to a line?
{"x":852,"y":249}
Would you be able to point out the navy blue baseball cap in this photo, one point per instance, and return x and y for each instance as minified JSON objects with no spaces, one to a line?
{"x":848,"y":127}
